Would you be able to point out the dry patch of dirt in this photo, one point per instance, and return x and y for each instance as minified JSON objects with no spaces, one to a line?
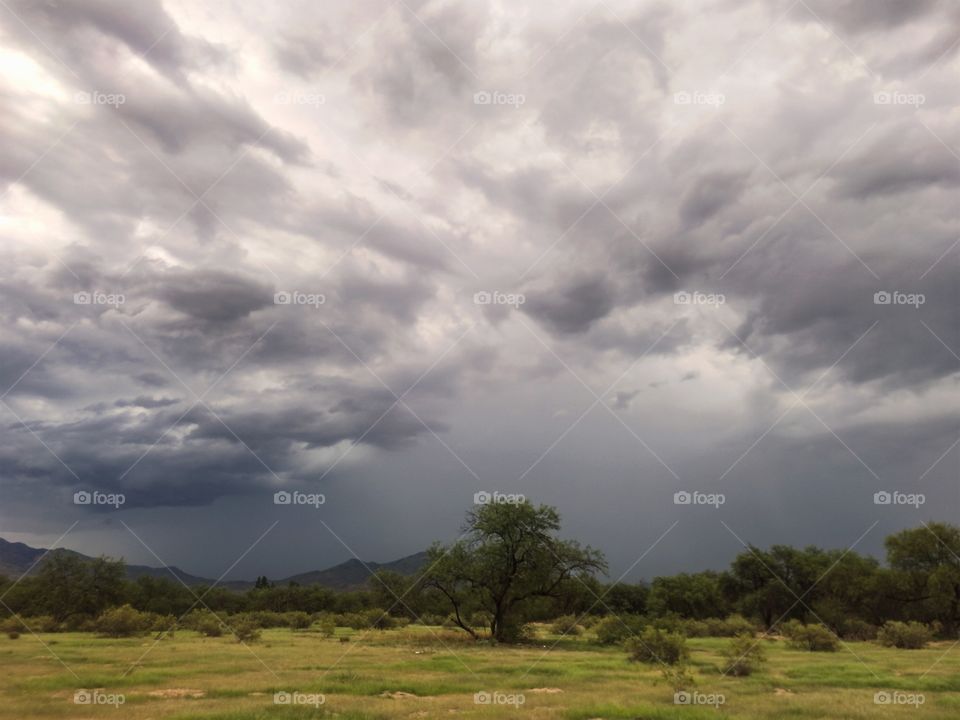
{"x":177,"y":693}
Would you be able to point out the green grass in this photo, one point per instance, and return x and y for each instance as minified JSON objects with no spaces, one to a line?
{"x":412,"y":673}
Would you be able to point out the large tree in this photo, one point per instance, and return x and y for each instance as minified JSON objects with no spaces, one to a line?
{"x":925,"y":565}
{"x":508,"y":562}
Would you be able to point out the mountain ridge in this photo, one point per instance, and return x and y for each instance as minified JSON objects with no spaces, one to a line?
{"x":18,"y":558}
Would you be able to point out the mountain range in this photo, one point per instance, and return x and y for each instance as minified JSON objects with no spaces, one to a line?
{"x":17,"y":558}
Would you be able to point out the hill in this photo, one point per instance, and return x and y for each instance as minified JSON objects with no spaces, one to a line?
{"x":17,"y":558}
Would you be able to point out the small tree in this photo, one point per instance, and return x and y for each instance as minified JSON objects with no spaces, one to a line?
{"x":743,"y":656}
{"x":509,"y":560}
{"x":907,"y":636}
{"x":813,"y":638}
{"x":124,"y":621}
{"x":658,"y":646}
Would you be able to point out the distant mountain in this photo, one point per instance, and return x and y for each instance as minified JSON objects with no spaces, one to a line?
{"x":17,"y":558}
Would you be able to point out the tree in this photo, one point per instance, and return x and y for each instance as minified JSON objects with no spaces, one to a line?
{"x":68,"y":585}
{"x":508,"y":560}
{"x":925,"y":563}
{"x":694,"y":596}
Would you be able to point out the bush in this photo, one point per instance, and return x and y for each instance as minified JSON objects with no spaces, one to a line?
{"x":907,"y":636}
{"x":379,"y":619}
{"x":245,"y":629}
{"x":13,"y":634}
{"x":856,"y":629}
{"x":41,"y":624}
{"x":328,"y":626}
{"x":813,"y":638}
{"x":695,"y":628}
{"x":124,"y":621}
{"x":204,"y":622}
{"x":566,"y":625}
{"x":731,"y":626}
{"x":298,"y":620}
{"x":656,"y":645}
{"x":615,"y":629}
{"x":743,"y":656}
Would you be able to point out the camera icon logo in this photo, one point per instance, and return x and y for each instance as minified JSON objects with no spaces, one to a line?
{"x":81,"y":298}
{"x":682,"y":98}
{"x":882,"y":98}
{"x":882,"y":498}
{"x":482,"y":698}
{"x":482,"y":298}
{"x":82,"y":697}
{"x":882,"y":298}
{"x":282,"y":497}
{"x":482,"y":498}
{"x":82,"y":497}
{"x":282,"y":698}
{"x":882,"y":698}
{"x":282,"y":298}
{"x":681,"y":298}
{"x":681,"y":697}
{"x":482,"y":98}
{"x":682,"y":498}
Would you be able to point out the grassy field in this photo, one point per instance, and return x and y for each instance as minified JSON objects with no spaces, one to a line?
{"x":410,"y":673}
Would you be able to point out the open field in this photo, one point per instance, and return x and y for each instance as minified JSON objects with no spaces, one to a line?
{"x":422,"y":672}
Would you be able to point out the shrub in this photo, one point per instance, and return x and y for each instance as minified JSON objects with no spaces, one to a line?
{"x":298,"y":620}
{"x":41,"y":624}
{"x":245,"y":629}
{"x":566,"y":625}
{"x":123,"y":621}
{"x":856,"y":629}
{"x":204,"y":622}
{"x":10,"y":624}
{"x":908,"y":636}
{"x":164,"y":623}
{"x":13,"y":634}
{"x":379,"y":619}
{"x":695,"y":628}
{"x":656,"y":645}
{"x":678,"y":677}
{"x":615,"y":629}
{"x":743,"y":656}
{"x":733,"y":626}
{"x":328,"y":627}
{"x":813,"y":638}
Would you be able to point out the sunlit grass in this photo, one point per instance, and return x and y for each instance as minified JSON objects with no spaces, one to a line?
{"x":414,"y":673}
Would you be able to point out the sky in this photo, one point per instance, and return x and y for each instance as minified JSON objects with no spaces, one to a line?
{"x":685,"y":271}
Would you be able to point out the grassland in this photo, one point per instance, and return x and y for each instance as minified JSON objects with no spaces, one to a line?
{"x":422,"y":672}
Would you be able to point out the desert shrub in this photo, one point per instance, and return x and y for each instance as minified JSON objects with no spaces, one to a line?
{"x":656,"y":645}
{"x":566,"y":625}
{"x":733,"y":626}
{"x":269,"y":619}
{"x":163,"y":623}
{"x":743,"y":656}
{"x":203,"y":622}
{"x":400,"y":622}
{"x":10,"y":624}
{"x":245,"y":629}
{"x":378,"y":619}
{"x":435,"y":620}
{"x":328,"y":627}
{"x":615,"y":629}
{"x":298,"y":620}
{"x":13,"y":634}
{"x":480,"y":619}
{"x":357,"y":621}
{"x":908,"y":636}
{"x":856,"y":629}
{"x":695,"y":628}
{"x":41,"y":624}
{"x":678,"y":676}
{"x":124,"y":621}
{"x":589,"y":621}
{"x":813,"y":638}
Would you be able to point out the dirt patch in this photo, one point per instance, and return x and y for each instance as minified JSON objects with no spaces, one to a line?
{"x":177,"y":693}
{"x":399,"y":695}
{"x":545,"y":691}
{"x":782,"y":691}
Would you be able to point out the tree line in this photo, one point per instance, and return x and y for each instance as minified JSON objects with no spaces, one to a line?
{"x":511,"y":567}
